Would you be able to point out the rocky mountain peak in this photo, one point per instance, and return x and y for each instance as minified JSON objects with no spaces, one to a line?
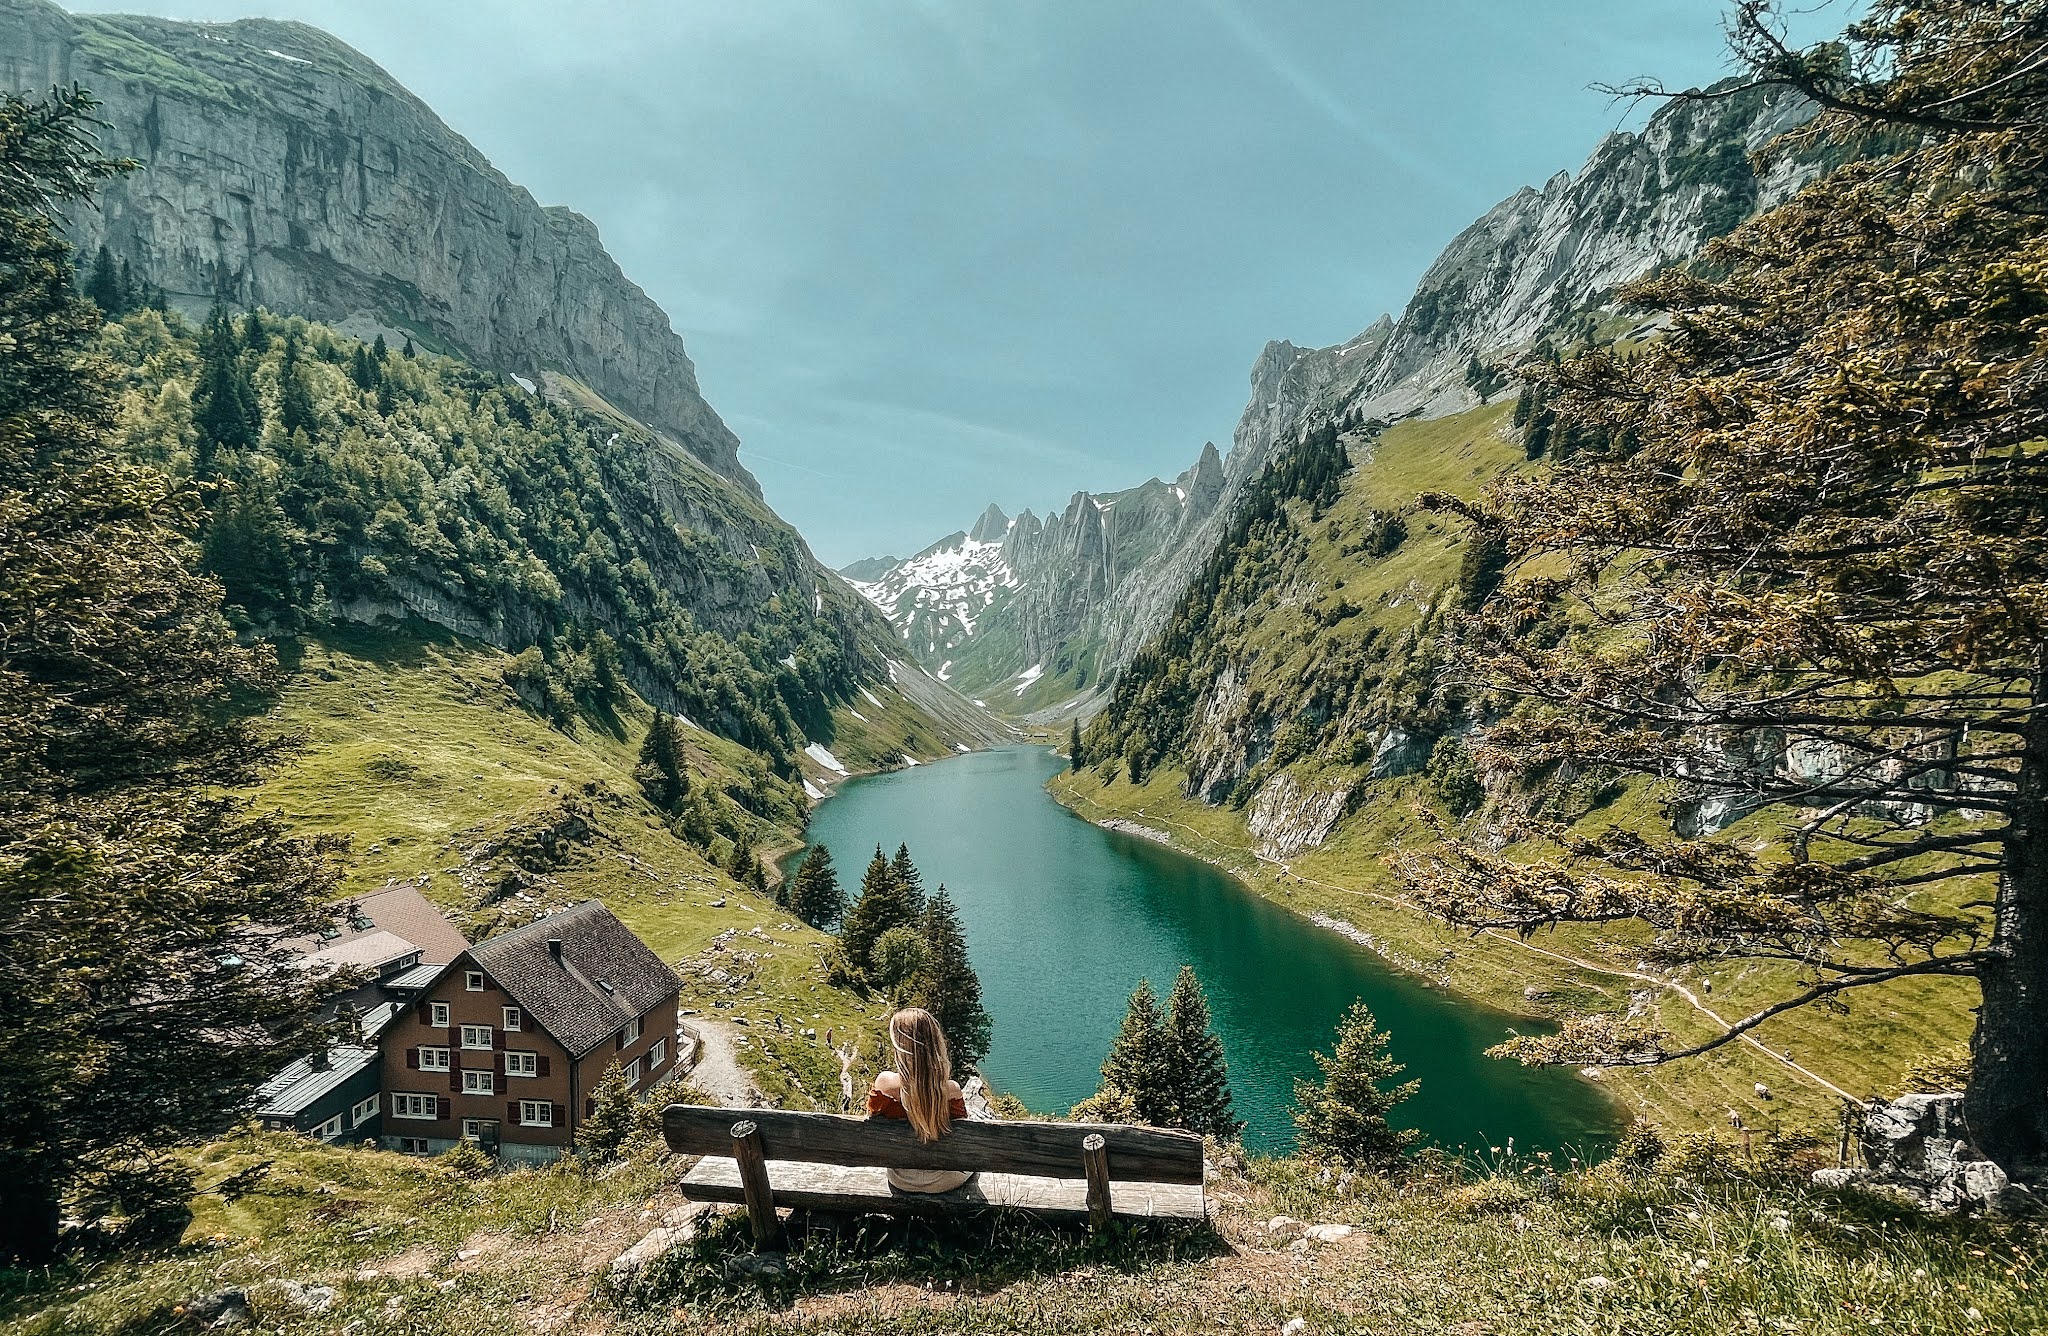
{"x":991,"y":527}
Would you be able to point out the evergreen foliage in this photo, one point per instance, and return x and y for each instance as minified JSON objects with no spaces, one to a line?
{"x":1136,"y":1069}
{"x":1345,"y":1117}
{"x":883,"y":904}
{"x":1196,"y":1075}
{"x":663,"y":770}
{"x":815,"y":895}
{"x":947,"y":985}
{"x":224,"y":405}
{"x":909,"y":878}
{"x":141,"y":1001}
{"x":898,"y":961}
{"x":1076,"y":759}
{"x":614,"y":1115}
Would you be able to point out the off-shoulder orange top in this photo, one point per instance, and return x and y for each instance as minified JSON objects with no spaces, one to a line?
{"x":888,"y":1106}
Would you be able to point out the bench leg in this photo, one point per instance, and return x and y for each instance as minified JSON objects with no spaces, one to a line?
{"x":1095,"y":1161}
{"x":753,"y":1164}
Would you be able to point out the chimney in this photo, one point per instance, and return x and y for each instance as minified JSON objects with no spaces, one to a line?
{"x":320,"y":1058}
{"x":555,"y":949}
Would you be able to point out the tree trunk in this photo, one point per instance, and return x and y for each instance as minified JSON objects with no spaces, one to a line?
{"x":2006,"y":1104}
{"x":28,"y":1222}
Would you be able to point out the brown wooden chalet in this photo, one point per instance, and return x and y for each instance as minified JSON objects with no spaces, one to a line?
{"x":505,"y":1046}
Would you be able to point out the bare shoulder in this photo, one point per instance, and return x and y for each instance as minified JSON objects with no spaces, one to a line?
{"x":888,"y":1082}
{"x":953,"y":1090}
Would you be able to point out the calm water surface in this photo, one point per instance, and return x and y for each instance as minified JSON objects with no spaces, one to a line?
{"x":1063,"y":919}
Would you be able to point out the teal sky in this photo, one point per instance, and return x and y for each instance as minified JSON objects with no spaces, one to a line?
{"x":931,"y":255}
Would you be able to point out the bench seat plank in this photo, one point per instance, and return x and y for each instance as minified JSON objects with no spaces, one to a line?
{"x":852,"y":1189}
{"x":1142,"y":1154}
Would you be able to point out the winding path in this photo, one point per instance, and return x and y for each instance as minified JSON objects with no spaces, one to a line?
{"x":718,"y":1073}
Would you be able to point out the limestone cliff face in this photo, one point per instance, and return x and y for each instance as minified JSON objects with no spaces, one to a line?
{"x":282,"y":167}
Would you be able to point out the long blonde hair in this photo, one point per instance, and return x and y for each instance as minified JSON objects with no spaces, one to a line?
{"x":925,"y":1067}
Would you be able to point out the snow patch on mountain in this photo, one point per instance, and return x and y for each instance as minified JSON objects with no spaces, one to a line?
{"x":936,"y":598}
{"x":825,"y":758}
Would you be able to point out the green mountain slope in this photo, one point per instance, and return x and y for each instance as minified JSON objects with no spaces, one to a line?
{"x":1290,"y":724}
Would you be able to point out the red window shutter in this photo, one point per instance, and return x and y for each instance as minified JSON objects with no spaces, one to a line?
{"x":561,"y":1116}
{"x":445,"y":1109}
{"x":512,"y":1112}
{"x":412,"y":1058}
{"x":544,"y":1065}
{"x":454,"y":1077}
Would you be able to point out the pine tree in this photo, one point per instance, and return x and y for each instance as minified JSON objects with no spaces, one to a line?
{"x":614,"y":1114}
{"x":295,"y":411}
{"x":663,"y":771}
{"x":131,"y":870}
{"x":742,"y":865}
{"x":407,"y":351}
{"x":1197,"y":1077}
{"x":104,"y":287}
{"x":379,"y":352}
{"x":882,"y":905}
{"x":908,"y":877}
{"x":1345,"y":1117}
{"x":815,"y":895}
{"x":1075,"y":759}
{"x":248,"y":547}
{"x":255,"y":338}
{"x":223,"y":401}
{"x":948,"y":987}
{"x":1138,"y":1067}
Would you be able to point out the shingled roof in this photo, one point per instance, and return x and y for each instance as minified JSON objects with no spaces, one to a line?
{"x":604,"y":977}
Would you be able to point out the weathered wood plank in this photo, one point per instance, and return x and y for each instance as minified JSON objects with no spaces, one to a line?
{"x":828,"y":1187}
{"x":1140,"y":1154}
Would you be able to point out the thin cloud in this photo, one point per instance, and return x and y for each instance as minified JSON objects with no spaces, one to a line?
{"x":1316,"y":94}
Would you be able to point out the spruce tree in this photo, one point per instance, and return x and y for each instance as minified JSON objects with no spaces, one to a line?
{"x":814,"y":894}
{"x":141,"y":904}
{"x":882,"y":905}
{"x":1075,"y":760}
{"x":1197,"y":1077}
{"x":295,"y":411}
{"x":1345,"y":1117}
{"x":614,"y":1114}
{"x":1138,"y":1067}
{"x":104,"y":287}
{"x":909,"y":878}
{"x":663,"y":772}
{"x":223,"y":401}
{"x":248,"y":547}
{"x":949,"y":988}
{"x":407,"y":351}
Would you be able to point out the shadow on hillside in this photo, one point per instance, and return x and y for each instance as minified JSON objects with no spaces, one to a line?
{"x":831,"y":1254}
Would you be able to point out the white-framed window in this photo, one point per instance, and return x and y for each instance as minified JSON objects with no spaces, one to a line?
{"x":536,"y":1113}
{"x":513,"y":1018}
{"x":658,"y":1054}
{"x":522,"y":1064}
{"x":479,"y":1129}
{"x":363,"y":1112}
{"x":632,"y":1032}
{"x":433,"y":1059}
{"x":413,"y":1145}
{"x":405,"y":1104}
{"x":633,"y":1072}
{"x":439,"y":1012}
{"x":473,"y":980}
{"x":475,"y":1082}
{"x":476,"y":1036}
{"x":330,"y":1128}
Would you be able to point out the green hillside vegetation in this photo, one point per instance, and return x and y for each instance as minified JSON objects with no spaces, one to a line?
{"x":1703,"y":1249}
{"x":1334,"y":645}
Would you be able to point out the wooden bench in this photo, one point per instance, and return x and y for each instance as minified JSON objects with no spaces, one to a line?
{"x":827,"y":1162}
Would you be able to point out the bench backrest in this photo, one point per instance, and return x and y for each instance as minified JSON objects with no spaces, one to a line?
{"x":1136,"y":1154}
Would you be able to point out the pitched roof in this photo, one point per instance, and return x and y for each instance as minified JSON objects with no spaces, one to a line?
{"x":605,"y":977}
{"x":400,"y":911}
{"x":369,"y":950}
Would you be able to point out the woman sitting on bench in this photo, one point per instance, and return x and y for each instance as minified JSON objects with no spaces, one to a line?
{"x":920,"y":1089}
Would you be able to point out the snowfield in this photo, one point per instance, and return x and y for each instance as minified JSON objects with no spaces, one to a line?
{"x":825,"y":758}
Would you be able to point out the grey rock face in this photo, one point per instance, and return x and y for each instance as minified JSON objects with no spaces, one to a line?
{"x":1919,"y":1144}
{"x":280,"y":166}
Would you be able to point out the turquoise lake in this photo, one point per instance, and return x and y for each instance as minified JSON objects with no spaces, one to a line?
{"x":1063,"y":918}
